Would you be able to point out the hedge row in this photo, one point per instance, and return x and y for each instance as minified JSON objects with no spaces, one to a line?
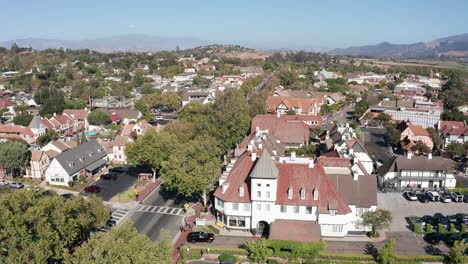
{"x":460,"y":190}
{"x":213,"y":229}
{"x":286,"y":248}
{"x":194,"y":251}
{"x":345,"y":256}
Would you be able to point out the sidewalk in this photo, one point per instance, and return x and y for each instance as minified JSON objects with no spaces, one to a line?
{"x":128,"y":206}
{"x":181,"y":237}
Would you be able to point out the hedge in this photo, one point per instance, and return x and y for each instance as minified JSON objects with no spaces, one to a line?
{"x":460,"y":190}
{"x":417,"y":228}
{"x":345,"y":256}
{"x":213,"y":229}
{"x":463,"y":229}
{"x":429,"y":229}
{"x":287,"y":249}
{"x":225,"y":256}
{"x":195,"y":251}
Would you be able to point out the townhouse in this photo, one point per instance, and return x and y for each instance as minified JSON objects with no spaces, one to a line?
{"x":15,"y":132}
{"x":453,"y":131}
{"x":410,"y":134}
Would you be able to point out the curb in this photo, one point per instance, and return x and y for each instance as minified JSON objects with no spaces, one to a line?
{"x":150,"y":193}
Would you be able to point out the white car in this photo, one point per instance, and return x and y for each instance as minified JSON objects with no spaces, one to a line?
{"x":3,"y":182}
{"x":16,"y":185}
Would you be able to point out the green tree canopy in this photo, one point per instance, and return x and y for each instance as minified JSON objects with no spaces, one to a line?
{"x":22,"y":119}
{"x":123,"y":245}
{"x":99,"y":118}
{"x":387,"y":255}
{"x":421,"y":147}
{"x":38,"y":227}
{"x":457,"y":254}
{"x":74,"y":104}
{"x":51,"y":135}
{"x":377,"y":219}
{"x":360,"y":108}
{"x":258,"y":250}
{"x":455,"y":149}
{"x":14,"y":155}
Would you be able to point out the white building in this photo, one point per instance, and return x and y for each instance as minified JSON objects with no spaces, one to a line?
{"x":324,"y":194}
{"x":86,"y":159}
{"x":417,"y":172}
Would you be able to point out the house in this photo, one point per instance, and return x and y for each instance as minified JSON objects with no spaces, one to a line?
{"x":126,"y":115}
{"x":322,"y":197}
{"x":202,"y":97}
{"x":56,"y":147}
{"x":184,"y":77}
{"x":410,"y":134}
{"x":453,"y":131}
{"x":61,"y":124}
{"x":463,"y":108}
{"x":337,"y":133}
{"x":139,"y":128}
{"x":300,"y":106}
{"x":86,"y":159}
{"x":37,"y":126}
{"x":354,"y":150}
{"x":113,"y":102}
{"x":14,"y":132}
{"x":39,"y":163}
{"x":116,"y":149}
{"x":416,"y":172}
{"x":80,"y":116}
{"x":6,"y":104}
{"x":293,"y":131}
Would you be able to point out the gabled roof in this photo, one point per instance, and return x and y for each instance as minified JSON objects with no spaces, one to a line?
{"x":265,"y":168}
{"x":36,"y":123}
{"x":81,"y":114}
{"x":419,"y":163}
{"x":84,"y":155}
{"x":4,"y":103}
{"x":286,"y":130}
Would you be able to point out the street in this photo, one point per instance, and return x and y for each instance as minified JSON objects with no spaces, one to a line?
{"x":110,"y":188}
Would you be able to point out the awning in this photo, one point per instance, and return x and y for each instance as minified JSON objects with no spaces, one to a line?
{"x":304,"y":231}
{"x":95,"y":165}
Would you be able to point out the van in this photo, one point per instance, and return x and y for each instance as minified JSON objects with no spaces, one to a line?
{"x":433,"y":196}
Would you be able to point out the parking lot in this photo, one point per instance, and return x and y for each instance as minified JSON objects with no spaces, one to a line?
{"x":402,"y":208}
{"x":110,"y":188}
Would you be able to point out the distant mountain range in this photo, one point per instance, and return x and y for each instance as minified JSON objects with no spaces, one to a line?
{"x":454,"y":46}
{"x":131,"y":42}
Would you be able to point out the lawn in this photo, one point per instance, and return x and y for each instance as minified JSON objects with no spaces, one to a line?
{"x":123,"y":197}
{"x":28,"y":181}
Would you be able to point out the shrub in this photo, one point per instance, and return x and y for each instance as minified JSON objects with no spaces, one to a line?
{"x":213,"y":229}
{"x":463,"y":229}
{"x":225,"y":256}
{"x":452,"y":228}
{"x":429,"y":229}
{"x":345,"y":257}
{"x":440,"y":228}
{"x":416,"y":228}
{"x":272,"y":261}
{"x":71,"y":184}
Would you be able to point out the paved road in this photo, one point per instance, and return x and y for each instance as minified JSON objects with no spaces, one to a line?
{"x":110,"y":188}
{"x":374,"y":142}
{"x":342,"y":116}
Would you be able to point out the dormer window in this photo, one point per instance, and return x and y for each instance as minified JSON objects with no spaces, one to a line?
{"x":315,"y":194}
{"x":290,"y":193}
{"x":91,"y":154}
{"x":302,"y":194}
{"x":241,"y":191}
{"x":71,"y":164}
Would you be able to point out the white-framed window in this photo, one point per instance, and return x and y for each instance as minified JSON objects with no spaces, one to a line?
{"x":302,"y":194}
{"x":267,"y":194}
{"x":268,"y":185}
{"x":283,"y":208}
{"x":337,"y":228}
{"x":241,"y":191}
{"x":259,"y":194}
{"x":259,"y":184}
{"x":220,"y":203}
{"x":315,"y":194}
{"x":296,"y":209}
{"x":246,"y":207}
{"x":235,"y":206}
{"x":259,"y":207}
{"x":267,"y":207}
{"x":236,"y":221}
{"x":361,"y":211}
{"x":308,"y":209}
{"x":290,"y":193}
{"x":332,"y":212}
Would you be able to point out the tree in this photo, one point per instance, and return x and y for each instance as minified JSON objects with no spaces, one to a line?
{"x":74,"y":104}
{"x":387,"y":255}
{"x":258,"y":250}
{"x":99,"y":118}
{"x":123,"y":245}
{"x":21,"y":108}
{"x":147,"y":89}
{"x":420,"y":147}
{"x":360,"y":108}
{"x":383,"y":117}
{"x":38,"y":227}
{"x":457,"y":252}
{"x":52,"y":101}
{"x":152,"y":149}
{"x":377,"y":219}
{"x":14,"y":155}
{"x":435,"y":137}
{"x":194,"y":168}
{"x":393,"y":134}
{"x":455,"y":149}
{"x":51,"y":135}
{"x":286,"y":77}
{"x":22,"y":119}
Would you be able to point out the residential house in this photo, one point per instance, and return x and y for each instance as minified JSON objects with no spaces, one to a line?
{"x":62,"y":124}
{"x":320,"y":197}
{"x":139,"y":128}
{"x":14,"y":132}
{"x":113,"y":102}
{"x":56,"y":147}
{"x":354,"y":150}
{"x":80,"y":116}
{"x":184,"y":77}
{"x":37,"y":126}
{"x":202,"y":97}
{"x":7,"y":105}
{"x":337,"y":133}
{"x":116,"y":149}
{"x":38,"y":165}
{"x":300,"y":106}
{"x":453,"y":131}
{"x":86,"y":159}
{"x":410,"y":134}
{"x":26,"y":99}
{"x":126,"y":115}
{"x":416,"y":172}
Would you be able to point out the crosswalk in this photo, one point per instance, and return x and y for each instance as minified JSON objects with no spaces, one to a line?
{"x":119,"y":214}
{"x":160,"y":210}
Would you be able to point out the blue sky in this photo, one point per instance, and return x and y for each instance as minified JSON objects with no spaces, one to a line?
{"x":256,"y":23}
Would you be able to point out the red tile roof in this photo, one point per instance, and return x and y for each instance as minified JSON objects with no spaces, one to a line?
{"x":4,"y":103}
{"x":81,"y":114}
{"x":305,"y":104}
{"x":453,"y":128}
{"x":304,"y":231}
{"x":334,"y":162}
{"x":285,"y":129}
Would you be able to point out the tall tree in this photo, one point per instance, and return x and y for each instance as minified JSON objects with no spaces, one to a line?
{"x":258,"y":250}
{"x":14,"y":155}
{"x":377,"y":219}
{"x":99,"y":118}
{"x":123,"y":245}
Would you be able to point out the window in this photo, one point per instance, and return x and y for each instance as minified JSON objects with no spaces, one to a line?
{"x":308,"y":209}
{"x":220,"y":203}
{"x":268,"y":185}
{"x":332,"y":212}
{"x":259,"y":207}
{"x":246,"y":207}
{"x":290,"y":193}
{"x":283,"y":208}
{"x":267,"y":207}
{"x":241,"y":191}
{"x":236,"y":221}
{"x":302,"y":194}
{"x":337,"y":228}
{"x":235,"y":206}
{"x":315,"y":194}
{"x":296,"y":209}
{"x":259,"y":184}
{"x":267,"y":194}
{"x":361,"y":211}
{"x":259,"y":194}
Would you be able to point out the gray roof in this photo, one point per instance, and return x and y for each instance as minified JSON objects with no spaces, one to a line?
{"x":265,"y":168}
{"x":361,"y":192}
{"x":421,"y":163}
{"x":83,"y":156}
{"x":36,"y":122}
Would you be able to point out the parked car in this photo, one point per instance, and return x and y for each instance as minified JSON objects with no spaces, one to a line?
{"x":433,"y":196}
{"x":411,"y":196}
{"x":453,"y":219}
{"x":428,"y":219}
{"x":434,"y":238}
{"x":3,"y":182}
{"x":158,"y":117}
{"x":454,"y":237}
{"x":456,"y":196}
{"x":445,"y":197}
{"x":110,"y":176}
{"x":465,"y":198}
{"x":194,"y":237}
{"x":119,"y":169}
{"x":16,"y":185}
{"x":67,"y":195}
{"x":92,"y":189}
{"x":463,"y":218}
{"x":416,"y":220}
{"x":441,"y":219}
{"x":422,"y":197}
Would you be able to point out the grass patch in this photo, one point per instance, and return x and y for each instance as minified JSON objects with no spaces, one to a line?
{"x":113,"y":127}
{"x":126,"y":196}
{"x":28,"y":181}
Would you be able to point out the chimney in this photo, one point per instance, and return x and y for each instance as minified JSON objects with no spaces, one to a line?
{"x":277,"y":114}
{"x":355,"y":175}
{"x":347,"y":124}
{"x":254,"y":156}
{"x":293,"y":155}
{"x":249,"y":147}
{"x":429,"y":156}
{"x":260,"y":146}
{"x":311,"y":163}
{"x":409,"y":155}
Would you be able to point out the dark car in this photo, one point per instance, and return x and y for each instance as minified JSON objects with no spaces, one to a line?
{"x":428,"y":219}
{"x":92,"y":189}
{"x":423,"y":198}
{"x":452,"y":238}
{"x":434,"y":238}
{"x":119,"y":169}
{"x":412,"y":220}
{"x":463,"y":218}
{"x":453,"y":219}
{"x":411,"y":196}
{"x":194,"y":237}
{"x":67,"y":195}
{"x":441,"y":219}
{"x":465,"y":198}
{"x":110,"y":176}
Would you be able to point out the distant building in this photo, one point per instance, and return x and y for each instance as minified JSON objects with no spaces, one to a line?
{"x":202,"y":97}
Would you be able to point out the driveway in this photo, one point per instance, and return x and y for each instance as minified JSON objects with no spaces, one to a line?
{"x":402,"y":208}
{"x":110,"y":188}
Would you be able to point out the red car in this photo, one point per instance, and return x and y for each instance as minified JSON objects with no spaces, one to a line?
{"x":92,"y":189}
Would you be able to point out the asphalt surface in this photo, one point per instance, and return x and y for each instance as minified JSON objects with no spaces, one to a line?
{"x":374,"y":142}
{"x":342,"y":116}
{"x":110,"y":188}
